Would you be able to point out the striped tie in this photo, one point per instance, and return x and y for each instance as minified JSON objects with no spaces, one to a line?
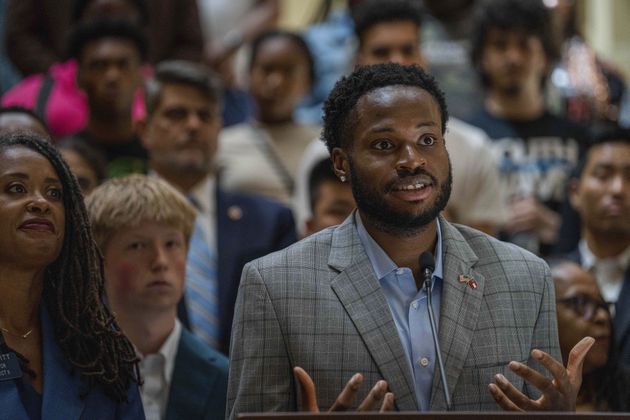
{"x":201,"y":288}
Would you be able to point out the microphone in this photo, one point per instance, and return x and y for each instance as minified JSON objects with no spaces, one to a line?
{"x":427,"y":266}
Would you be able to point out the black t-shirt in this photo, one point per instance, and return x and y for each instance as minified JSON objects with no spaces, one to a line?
{"x":123,"y":158}
{"x":536,"y":157}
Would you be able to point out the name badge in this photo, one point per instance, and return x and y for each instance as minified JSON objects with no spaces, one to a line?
{"x":9,"y":367}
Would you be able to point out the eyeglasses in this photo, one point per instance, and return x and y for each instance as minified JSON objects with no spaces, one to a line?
{"x":584,"y":305}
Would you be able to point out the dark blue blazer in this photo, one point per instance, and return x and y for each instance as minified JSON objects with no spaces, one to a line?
{"x":199,"y":384}
{"x":621,"y":321}
{"x":62,"y":391}
{"x":248,"y":227}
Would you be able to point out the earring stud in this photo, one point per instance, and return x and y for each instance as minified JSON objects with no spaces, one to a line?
{"x":342,"y":178}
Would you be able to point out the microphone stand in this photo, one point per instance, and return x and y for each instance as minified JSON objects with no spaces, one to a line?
{"x":428,"y":282}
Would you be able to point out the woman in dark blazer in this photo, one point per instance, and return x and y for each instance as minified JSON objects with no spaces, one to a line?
{"x":62,"y":356}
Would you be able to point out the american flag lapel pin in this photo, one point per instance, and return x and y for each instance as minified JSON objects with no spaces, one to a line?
{"x":468,"y":280}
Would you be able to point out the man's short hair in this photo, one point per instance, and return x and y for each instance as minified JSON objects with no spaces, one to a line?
{"x":339,"y":117}
{"x":320,"y":173}
{"x":181,"y":72}
{"x":88,"y":32}
{"x":529,"y":16}
{"x":292,"y":37}
{"x":123,"y":203}
{"x":372,"y":12}
{"x":602,"y":135}
{"x":18,"y":109}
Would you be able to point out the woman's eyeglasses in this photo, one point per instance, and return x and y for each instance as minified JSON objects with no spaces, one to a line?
{"x":584,"y":305}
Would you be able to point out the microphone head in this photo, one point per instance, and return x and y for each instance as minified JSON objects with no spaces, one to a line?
{"x":427,"y":261}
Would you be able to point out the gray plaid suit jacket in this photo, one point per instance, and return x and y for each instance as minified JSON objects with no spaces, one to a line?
{"x":318,"y":305}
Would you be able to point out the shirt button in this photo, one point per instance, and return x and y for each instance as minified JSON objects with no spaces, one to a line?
{"x":424,"y":362}
{"x":414,"y":305}
{"x":399,"y":271}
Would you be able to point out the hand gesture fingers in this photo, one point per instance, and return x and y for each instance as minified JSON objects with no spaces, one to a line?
{"x":374,"y":397}
{"x":502,"y":399}
{"x":576,"y":360}
{"x":346,"y":397}
{"x":388,"y":403}
{"x":309,"y":397}
{"x":557,"y":394}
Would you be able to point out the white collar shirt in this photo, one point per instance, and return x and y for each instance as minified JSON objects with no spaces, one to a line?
{"x":157,"y":373}
{"x":609,"y":272}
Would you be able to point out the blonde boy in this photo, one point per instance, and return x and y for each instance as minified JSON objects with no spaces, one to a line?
{"x":142,"y":226}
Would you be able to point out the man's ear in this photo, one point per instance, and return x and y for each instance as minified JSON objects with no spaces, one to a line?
{"x":340,"y":164}
{"x":574,"y":194}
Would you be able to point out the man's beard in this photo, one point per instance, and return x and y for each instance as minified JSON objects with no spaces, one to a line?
{"x":387,"y":219}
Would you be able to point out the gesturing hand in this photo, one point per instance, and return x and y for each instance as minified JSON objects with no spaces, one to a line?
{"x":345,"y":398}
{"x":559,"y":394}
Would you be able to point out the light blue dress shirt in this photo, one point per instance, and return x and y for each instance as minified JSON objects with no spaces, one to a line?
{"x":409,"y":309}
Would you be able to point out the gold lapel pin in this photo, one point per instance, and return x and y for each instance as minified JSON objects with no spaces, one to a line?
{"x":235,"y":213}
{"x":468,"y":280}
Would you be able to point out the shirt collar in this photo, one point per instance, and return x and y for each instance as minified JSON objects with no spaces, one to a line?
{"x":381,"y":262}
{"x":203,"y":194}
{"x":589,"y":260}
{"x":168,"y":351}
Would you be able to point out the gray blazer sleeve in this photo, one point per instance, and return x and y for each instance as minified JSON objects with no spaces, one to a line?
{"x":260,"y":372}
{"x":545,"y":335}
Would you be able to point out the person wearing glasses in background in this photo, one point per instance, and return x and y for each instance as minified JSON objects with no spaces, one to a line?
{"x":599,"y":192}
{"x":582,"y":312}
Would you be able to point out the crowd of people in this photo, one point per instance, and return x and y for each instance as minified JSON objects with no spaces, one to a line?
{"x":203,"y":214}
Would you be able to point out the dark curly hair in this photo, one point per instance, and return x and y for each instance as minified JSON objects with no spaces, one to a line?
{"x":529,"y":16}
{"x":338,"y":108}
{"x":73,"y":292}
{"x":290,"y":36}
{"x":87,"y":32}
{"x":373,"y":12}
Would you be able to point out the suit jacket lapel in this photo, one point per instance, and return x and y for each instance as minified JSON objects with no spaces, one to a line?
{"x":11,"y":405}
{"x":358,"y":289}
{"x":189,"y":373}
{"x":622,"y":310}
{"x":61,"y":388}
{"x":459,"y":310}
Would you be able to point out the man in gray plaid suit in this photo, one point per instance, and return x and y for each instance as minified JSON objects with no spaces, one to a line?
{"x":351,"y":298}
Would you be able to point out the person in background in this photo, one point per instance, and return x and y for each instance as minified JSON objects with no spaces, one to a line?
{"x":589,"y":90}
{"x":55,"y":95}
{"x":17,"y":118}
{"x":229,"y":25}
{"x":37,"y":30}
{"x":86,"y":163}
{"x":331,"y":200}
{"x":180,"y":133}
{"x":262,"y":156}
{"x":63,"y":354}
{"x":512,"y":50}
{"x":143,"y":225}
{"x":600,"y":193}
{"x":446,"y":29}
{"x":582,"y":312}
{"x":110,"y":54}
{"x":389,"y":31}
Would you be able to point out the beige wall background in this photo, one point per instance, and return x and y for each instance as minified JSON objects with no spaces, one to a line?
{"x":606,"y":25}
